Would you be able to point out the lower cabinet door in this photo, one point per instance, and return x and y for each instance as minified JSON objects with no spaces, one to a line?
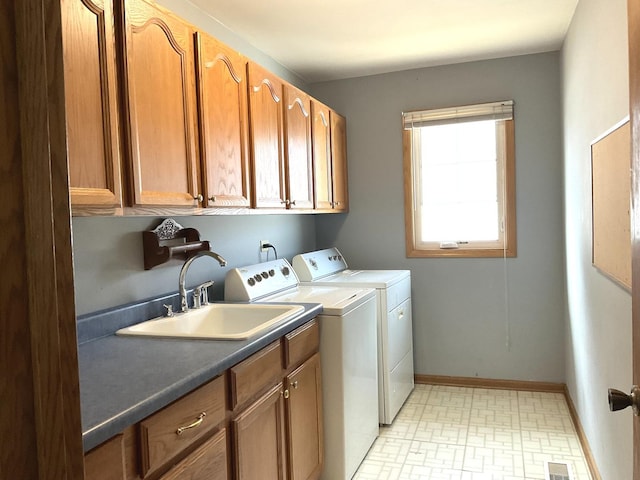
{"x":207,"y":462}
{"x":258,"y":437}
{"x":304,"y":420}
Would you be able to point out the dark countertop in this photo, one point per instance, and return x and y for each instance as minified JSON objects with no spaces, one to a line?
{"x":125,"y":379}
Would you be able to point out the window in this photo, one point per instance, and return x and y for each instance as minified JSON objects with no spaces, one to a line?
{"x":459,"y":168}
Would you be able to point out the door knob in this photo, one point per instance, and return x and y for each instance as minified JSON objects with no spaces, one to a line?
{"x":619,"y":400}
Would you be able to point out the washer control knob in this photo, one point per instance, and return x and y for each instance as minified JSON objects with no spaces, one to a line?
{"x":272,"y":272}
{"x":251,"y":282}
{"x":285,"y":271}
{"x":257,"y":277}
{"x":265,"y":275}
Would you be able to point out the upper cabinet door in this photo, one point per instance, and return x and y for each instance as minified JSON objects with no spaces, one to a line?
{"x":159,"y":72}
{"x":265,"y":124}
{"x":322,"y":176}
{"x":91,"y":103}
{"x":222,"y":93}
{"x":339,"y":161}
{"x":299,"y":165}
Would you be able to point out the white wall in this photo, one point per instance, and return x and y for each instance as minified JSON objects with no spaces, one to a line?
{"x":464,"y":309}
{"x":598,"y":328}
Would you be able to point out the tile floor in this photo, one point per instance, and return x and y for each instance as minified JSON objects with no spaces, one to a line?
{"x":458,"y":433}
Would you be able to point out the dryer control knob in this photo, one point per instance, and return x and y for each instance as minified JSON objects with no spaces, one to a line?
{"x":285,"y":271}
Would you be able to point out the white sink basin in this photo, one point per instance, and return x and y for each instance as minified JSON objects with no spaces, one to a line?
{"x":216,"y":321}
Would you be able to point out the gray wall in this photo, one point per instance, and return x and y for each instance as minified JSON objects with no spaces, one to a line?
{"x":598,"y":329}
{"x":108,"y":256}
{"x":489,"y":318}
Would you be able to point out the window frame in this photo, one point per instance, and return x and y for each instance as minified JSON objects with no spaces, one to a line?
{"x":415,"y":249}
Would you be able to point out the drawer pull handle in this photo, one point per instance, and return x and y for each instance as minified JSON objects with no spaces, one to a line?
{"x":195,"y":424}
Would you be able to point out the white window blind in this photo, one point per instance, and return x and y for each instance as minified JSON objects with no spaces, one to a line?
{"x":468,"y":113}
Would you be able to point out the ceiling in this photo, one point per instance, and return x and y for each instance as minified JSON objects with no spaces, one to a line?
{"x":333,"y":39}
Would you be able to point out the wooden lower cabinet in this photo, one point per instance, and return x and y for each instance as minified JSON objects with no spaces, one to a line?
{"x":304,"y":420}
{"x":106,"y":462}
{"x":261,"y":419}
{"x":209,"y":462}
{"x":259,"y":438}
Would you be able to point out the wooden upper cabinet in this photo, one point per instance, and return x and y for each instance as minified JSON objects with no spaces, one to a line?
{"x":160,"y":107}
{"x":322,"y":176}
{"x":339,"y":161}
{"x":265,"y":125}
{"x":91,"y":103}
{"x":297,"y":139}
{"x":222,"y":96}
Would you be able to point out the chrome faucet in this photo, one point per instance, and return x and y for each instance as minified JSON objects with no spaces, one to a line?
{"x":184,"y":306}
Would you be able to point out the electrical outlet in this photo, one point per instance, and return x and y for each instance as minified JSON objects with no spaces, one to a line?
{"x":262,"y":245}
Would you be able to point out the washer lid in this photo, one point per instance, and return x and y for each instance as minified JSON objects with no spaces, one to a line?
{"x":363,"y":278}
{"x":336,"y":301}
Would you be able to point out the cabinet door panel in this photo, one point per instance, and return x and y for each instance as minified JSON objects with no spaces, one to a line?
{"x":265,"y":122}
{"x":297,"y":123}
{"x":160,"y":83}
{"x":222,"y":90}
{"x":339,"y":161}
{"x":259,"y":438}
{"x":91,"y":103}
{"x":321,"y":131}
{"x":304,"y":420}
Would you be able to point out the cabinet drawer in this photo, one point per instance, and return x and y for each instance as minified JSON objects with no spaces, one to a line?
{"x":163,"y":435}
{"x":252,"y":375}
{"x":208,"y":462}
{"x":300,"y":344}
{"x":106,"y":462}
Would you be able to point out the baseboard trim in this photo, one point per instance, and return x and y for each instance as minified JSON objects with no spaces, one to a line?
{"x":591,"y":462}
{"x":491,"y":383}
{"x":529,"y":386}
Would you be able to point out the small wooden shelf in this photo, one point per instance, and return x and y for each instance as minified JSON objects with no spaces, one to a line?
{"x":170,"y":240}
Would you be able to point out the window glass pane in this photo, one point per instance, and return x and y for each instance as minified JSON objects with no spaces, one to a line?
{"x":459,"y":193}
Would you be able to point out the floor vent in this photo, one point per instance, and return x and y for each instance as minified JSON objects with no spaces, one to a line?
{"x":558,"y":471}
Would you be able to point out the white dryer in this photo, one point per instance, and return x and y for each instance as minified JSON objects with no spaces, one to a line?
{"x":348,"y":352}
{"x":395,"y":328}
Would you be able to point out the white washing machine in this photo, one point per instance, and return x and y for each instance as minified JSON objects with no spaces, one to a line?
{"x":395,"y":328}
{"x":348,"y":352}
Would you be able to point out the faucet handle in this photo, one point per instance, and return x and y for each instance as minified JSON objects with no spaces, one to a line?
{"x":201,"y":295}
{"x":169,"y":312}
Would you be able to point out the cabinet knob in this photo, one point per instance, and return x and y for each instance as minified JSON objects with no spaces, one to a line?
{"x":286,"y":393}
{"x":295,"y":384}
{"x":212,"y":199}
{"x":198,"y":197}
{"x":293,"y":202}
